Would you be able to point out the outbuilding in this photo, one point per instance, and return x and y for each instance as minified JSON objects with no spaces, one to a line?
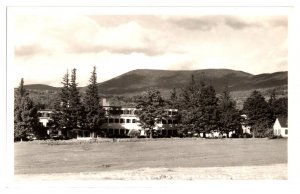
{"x":280,"y":127}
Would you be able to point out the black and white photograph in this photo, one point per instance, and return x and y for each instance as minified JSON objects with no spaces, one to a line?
{"x":148,"y":94}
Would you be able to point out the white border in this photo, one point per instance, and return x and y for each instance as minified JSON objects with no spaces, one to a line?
{"x":167,"y":186}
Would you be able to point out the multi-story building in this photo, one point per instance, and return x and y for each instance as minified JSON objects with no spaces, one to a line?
{"x":45,"y":116}
{"x":123,"y":122}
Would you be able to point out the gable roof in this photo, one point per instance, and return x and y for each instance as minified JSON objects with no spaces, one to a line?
{"x":283,"y":122}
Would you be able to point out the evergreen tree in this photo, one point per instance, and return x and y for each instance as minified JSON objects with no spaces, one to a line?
{"x":70,"y":111}
{"x":272,"y":97}
{"x":230,"y":119}
{"x":95,"y":114}
{"x":75,"y":106}
{"x":259,"y":114}
{"x":25,"y":114}
{"x":173,"y":101}
{"x":150,"y":107}
{"x":61,"y":117}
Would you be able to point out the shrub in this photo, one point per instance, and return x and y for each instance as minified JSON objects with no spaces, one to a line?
{"x":247,"y":135}
{"x":134,"y":133}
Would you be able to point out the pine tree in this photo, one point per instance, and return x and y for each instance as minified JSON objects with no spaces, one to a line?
{"x":150,"y":107}
{"x":259,"y":114}
{"x":173,"y":100}
{"x":61,"y":117}
{"x":75,"y":106}
{"x":95,"y":114}
{"x":25,"y":114}
{"x":230,"y":119}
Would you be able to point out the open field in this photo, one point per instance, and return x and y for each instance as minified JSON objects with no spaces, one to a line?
{"x":196,"y":158}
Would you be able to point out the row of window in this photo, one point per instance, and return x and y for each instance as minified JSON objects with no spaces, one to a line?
{"x":120,"y":120}
{"x":126,"y":131}
{"x":132,"y":112}
{"x":120,"y":112}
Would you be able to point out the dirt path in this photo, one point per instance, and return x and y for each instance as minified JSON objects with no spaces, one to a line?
{"x":276,"y":171}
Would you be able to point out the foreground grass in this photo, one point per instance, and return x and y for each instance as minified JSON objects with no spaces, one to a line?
{"x":35,"y":158}
{"x":274,"y":171}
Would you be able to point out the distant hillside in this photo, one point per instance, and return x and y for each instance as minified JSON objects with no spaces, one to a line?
{"x":136,"y":81}
{"x":263,"y":81}
{"x":139,"y":80}
{"x":41,"y":87}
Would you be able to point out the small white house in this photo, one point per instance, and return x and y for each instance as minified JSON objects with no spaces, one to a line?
{"x":280,"y":127}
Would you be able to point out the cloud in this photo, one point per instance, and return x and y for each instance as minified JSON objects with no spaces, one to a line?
{"x":204,"y":23}
{"x":126,"y":38}
{"x":279,"y":21}
{"x":28,"y":50}
{"x":207,"y":23}
{"x":239,"y":24}
{"x":117,"y":44}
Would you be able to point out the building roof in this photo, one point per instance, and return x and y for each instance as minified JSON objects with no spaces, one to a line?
{"x":283,"y":122}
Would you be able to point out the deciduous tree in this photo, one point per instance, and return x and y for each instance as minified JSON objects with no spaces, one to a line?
{"x":150,"y":107}
{"x":258,"y":112}
{"x":230,"y":118}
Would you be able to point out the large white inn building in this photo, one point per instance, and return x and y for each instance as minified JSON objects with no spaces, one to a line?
{"x":122,"y":122}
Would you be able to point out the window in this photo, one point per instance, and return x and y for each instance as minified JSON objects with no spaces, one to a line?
{"x":128,"y":121}
{"x":116,"y":120}
{"x":169,"y":112}
{"x":169,"y":121}
{"x":121,"y":120}
{"x":164,"y":121}
{"x":175,"y":122}
{"x":110,"y":120}
{"x":133,"y":120}
{"x":121,"y":131}
{"x":286,"y":131}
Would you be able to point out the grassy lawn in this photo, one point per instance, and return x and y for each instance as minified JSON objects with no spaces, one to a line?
{"x":32,"y":158}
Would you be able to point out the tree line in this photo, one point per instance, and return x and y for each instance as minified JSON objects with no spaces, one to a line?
{"x":200,"y":110}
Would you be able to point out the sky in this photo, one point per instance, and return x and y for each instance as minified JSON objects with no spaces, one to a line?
{"x":46,"y":46}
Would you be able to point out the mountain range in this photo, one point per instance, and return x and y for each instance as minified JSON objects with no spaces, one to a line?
{"x":136,"y":81}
